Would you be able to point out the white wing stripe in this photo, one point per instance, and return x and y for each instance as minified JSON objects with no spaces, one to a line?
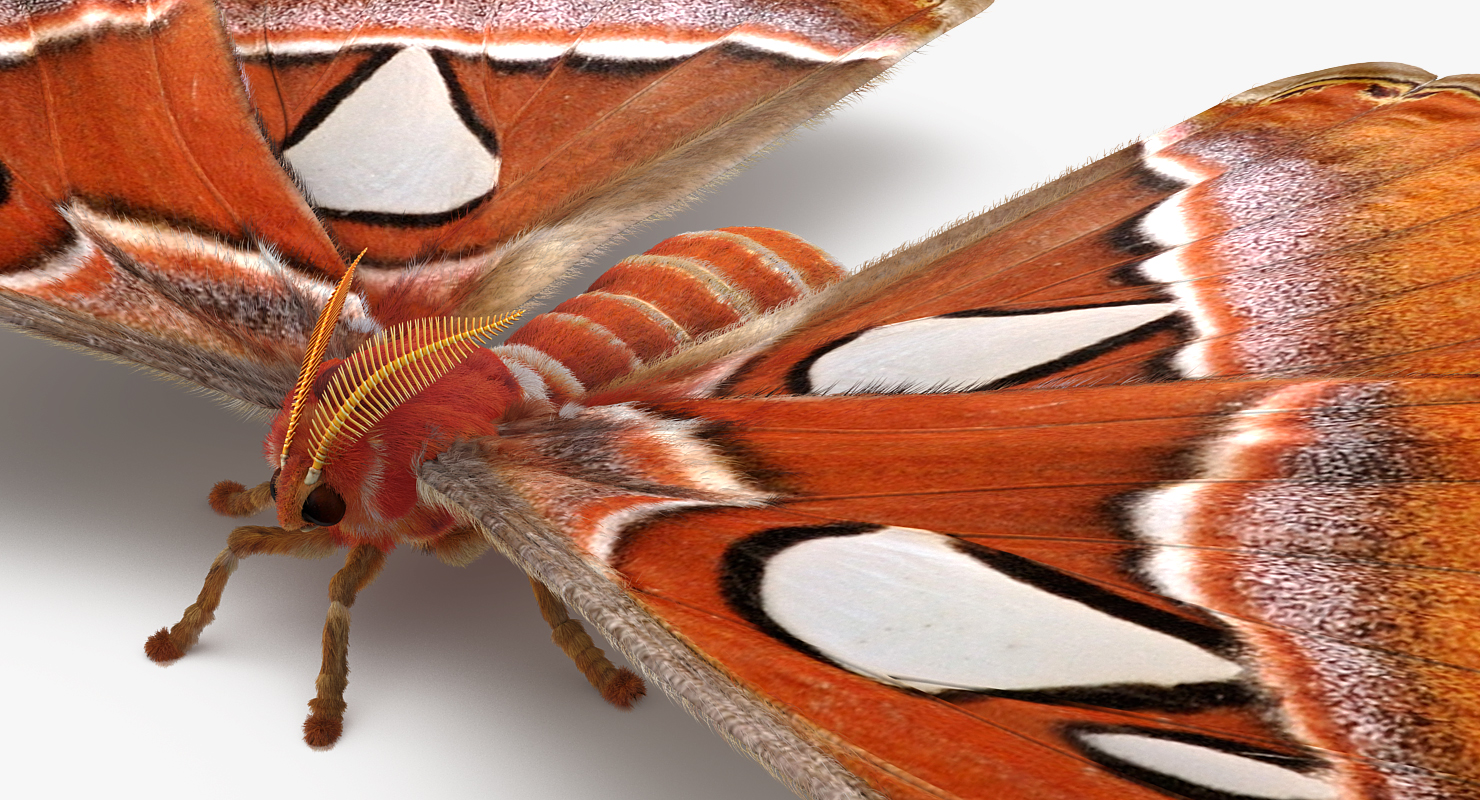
{"x":614,"y":48}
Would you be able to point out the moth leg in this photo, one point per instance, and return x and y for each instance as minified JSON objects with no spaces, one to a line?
{"x":169,"y":644}
{"x":619,"y":686}
{"x":231,"y":499}
{"x":326,"y":722}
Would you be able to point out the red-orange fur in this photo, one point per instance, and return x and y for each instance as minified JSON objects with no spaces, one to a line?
{"x":322,"y":731}
{"x":815,"y":267}
{"x":738,"y":262}
{"x":685,"y":299}
{"x":592,"y":356}
{"x":683,"y":288}
{"x":647,"y":338}
{"x":624,"y":689}
{"x":375,"y":473}
{"x":160,"y":649}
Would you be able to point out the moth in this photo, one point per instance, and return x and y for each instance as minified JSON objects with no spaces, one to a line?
{"x":1375,"y":86}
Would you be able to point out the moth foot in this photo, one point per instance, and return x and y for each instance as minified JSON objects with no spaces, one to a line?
{"x":161,"y":649}
{"x":321,"y":731}
{"x":231,"y":499}
{"x":624,"y":689}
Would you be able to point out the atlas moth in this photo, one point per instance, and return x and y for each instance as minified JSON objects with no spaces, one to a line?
{"x":817,"y":511}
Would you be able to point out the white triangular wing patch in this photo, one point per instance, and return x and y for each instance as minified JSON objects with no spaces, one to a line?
{"x":396,"y":145}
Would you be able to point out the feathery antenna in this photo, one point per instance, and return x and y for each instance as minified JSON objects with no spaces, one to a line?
{"x":318,"y":343}
{"x":387,"y":371}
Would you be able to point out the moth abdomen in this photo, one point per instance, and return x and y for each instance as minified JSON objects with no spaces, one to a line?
{"x":647,"y":306}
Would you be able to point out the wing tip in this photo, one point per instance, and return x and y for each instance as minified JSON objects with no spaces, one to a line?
{"x":1387,"y":71}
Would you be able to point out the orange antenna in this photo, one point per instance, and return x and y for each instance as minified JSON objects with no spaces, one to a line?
{"x":318,"y":343}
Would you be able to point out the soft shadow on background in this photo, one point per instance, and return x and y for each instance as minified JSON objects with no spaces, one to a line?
{"x":455,"y":691}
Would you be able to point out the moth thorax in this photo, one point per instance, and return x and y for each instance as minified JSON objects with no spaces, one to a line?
{"x":383,"y":374}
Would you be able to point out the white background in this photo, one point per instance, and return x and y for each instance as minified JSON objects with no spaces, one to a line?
{"x":455,"y":690}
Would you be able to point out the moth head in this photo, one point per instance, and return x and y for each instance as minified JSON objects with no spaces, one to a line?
{"x":352,"y":432}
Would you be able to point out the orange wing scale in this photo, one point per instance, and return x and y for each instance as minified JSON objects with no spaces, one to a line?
{"x":1308,"y":513}
{"x":968,"y":466}
{"x":168,"y":135}
{"x":1314,"y":509}
{"x":158,"y":139}
{"x":1078,"y":241}
{"x":515,"y":74}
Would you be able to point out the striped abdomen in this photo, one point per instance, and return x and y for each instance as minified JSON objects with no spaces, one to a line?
{"x":647,"y":306}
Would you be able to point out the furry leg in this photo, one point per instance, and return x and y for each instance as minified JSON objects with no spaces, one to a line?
{"x":168,"y":644}
{"x":619,"y":686}
{"x":326,"y":722}
{"x":231,"y":499}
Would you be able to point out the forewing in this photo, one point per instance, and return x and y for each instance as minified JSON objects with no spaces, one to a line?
{"x":540,"y":131}
{"x":181,"y":182}
{"x":1309,"y":227}
{"x":1195,"y":524}
{"x":144,"y":215}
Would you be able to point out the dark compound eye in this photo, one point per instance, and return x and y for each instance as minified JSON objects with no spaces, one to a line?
{"x":272,"y":484}
{"x":323,"y":507}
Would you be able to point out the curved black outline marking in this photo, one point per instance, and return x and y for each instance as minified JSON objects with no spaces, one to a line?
{"x":43,"y":255}
{"x":509,"y":66}
{"x":1183,"y":698}
{"x":569,"y":58}
{"x":1162,"y":367}
{"x":388,"y":219}
{"x":1385,"y":90}
{"x":380,"y":54}
{"x":1155,"y":180}
{"x":744,"y":562}
{"x":623,"y":67}
{"x":7,"y":179}
{"x":798,"y":381}
{"x":1129,"y":238}
{"x":120,"y":208}
{"x":1207,"y":636}
{"x":461,"y":105}
{"x":1174,"y":786}
{"x":321,"y":110}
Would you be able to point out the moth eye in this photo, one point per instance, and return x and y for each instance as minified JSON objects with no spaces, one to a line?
{"x":323,"y":507}
{"x":272,"y":483}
